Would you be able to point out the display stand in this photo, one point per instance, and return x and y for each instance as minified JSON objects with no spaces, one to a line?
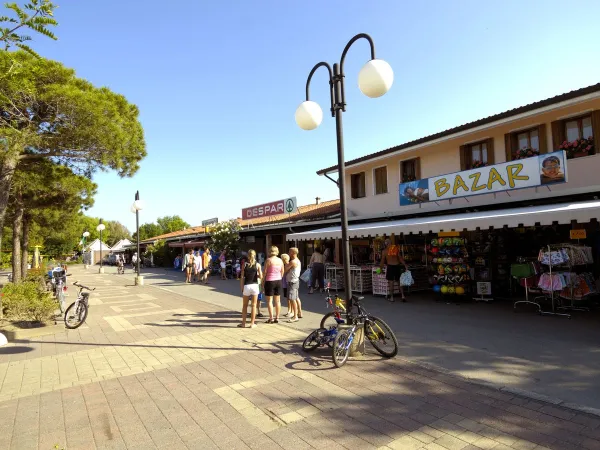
{"x":380,"y":284}
{"x":335,"y":276}
{"x":571,"y":265}
{"x":552,"y":296}
{"x":361,"y":277}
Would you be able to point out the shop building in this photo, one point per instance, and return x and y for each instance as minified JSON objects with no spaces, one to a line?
{"x":508,"y":185}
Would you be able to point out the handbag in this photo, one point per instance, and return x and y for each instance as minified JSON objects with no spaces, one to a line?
{"x":406,"y":279}
{"x":306,"y":276}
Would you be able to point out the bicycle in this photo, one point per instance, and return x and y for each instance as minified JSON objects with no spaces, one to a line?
{"x":339,"y":309}
{"x":319,"y":338}
{"x":376,"y":331}
{"x":78,"y":310}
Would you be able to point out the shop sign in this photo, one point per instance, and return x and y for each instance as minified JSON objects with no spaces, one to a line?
{"x":250,"y":239}
{"x":578,"y":234}
{"x":448,"y":234}
{"x":484,"y":288}
{"x":285,"y":206}
{"x":208,"y":222}
{"x":542,"y":170}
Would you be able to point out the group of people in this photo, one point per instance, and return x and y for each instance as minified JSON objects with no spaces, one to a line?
{"x":281,"y":276}
{"x":120,"y":260}
{"x":195,"y":264}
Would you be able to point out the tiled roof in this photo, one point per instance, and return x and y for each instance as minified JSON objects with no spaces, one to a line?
{"x":467,"y":126}
{"x":306,"y":212}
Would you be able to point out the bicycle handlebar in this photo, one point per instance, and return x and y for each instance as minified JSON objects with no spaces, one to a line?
{"x":82,"y":286}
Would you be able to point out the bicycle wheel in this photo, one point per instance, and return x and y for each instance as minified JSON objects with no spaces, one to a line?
{"x":60,"y":298}
{"x":75,"y":317}
{"x":341,"y":348}
{"x":311,"y":342}
{"x":329,"y":320}
{"x":381,"y":337}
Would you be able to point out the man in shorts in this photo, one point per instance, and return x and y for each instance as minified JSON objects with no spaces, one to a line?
{"x":394,"y":267}
{"x":292,"y":275}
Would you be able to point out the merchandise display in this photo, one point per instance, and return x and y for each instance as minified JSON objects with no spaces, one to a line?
{"x":450,"y":269}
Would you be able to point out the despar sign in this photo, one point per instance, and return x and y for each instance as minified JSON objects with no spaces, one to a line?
{"x":285,"y":206}
{"x":539,"y":170}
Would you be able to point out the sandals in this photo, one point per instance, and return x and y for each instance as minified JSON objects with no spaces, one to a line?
{"x":270,"y":321}
{"x":241,"y":325}
{"x":292,"y":319}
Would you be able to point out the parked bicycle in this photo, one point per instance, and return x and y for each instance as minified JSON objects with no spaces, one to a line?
{"x":77,"y":313}
{"x":378,"y":333}
{"x":338,"y":305}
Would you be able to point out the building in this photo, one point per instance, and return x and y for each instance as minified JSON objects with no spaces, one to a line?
{"x":95,"y":251}
{"x":459,"y":180}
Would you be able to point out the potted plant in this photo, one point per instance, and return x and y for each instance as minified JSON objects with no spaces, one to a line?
{"x":527,"y":152}
{"x":578,"y":147}
{"x":478,"y":164}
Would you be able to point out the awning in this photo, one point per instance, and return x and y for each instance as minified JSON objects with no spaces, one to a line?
{"x":514,"y":217}
{"x":186,"y":244}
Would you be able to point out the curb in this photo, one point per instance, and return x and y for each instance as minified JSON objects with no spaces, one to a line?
{"x":531,"y":395}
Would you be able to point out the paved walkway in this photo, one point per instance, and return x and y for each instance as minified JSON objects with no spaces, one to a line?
{"x":154,"y":369}
{"x":551,"y":356}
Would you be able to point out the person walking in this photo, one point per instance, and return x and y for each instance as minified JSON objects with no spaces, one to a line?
{"x":292,"y":275}
{"x":223,"y":265}
{"x":197,"y":265}
{"x":205,"y":265}
{"x":134,"y":259}
{"x":394,"y":264}
{"x":249,"y":281}
{"x":188,"y":265}
{"x":317,"y":267}
{"x":272,"y":283}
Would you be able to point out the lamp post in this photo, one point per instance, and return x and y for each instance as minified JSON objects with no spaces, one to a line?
{"x":101,"y":228}
{"x":86,"y":234}
{"x":374,"y":80}
{"x":136,"y":208}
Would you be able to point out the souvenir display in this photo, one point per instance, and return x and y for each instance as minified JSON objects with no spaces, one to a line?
{"x":449,"y":269}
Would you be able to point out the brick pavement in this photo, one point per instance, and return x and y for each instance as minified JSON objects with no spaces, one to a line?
{"x":170,"y":372}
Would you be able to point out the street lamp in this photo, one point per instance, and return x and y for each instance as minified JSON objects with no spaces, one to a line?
{"x":136,"y":208}
{"x":86,"y":234}
{"x":374,"y":80}
{"x":100,"y":228}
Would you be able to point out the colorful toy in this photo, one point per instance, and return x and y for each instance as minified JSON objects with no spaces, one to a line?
{"x":451,"y":290}
{"x":434,"y":242}
{"x":444,"y":289}
{"x":435,"y":250}
{"x":378,"y":271}
{"x":459,"y":290}
{"x":441,"y":270}
{"x":437,"y":288}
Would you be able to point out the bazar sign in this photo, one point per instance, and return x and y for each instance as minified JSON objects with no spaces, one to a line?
{"x":207,"y":222}
{"x":539,"y":170}
{"x":285,"y":206}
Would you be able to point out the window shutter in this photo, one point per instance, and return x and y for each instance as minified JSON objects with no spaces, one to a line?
{"x":542,"y":138}
{"x":596,"y":131}
{"x":508,"y":149}
{"x":490,"y":151}
{"x":418,"y":168}
{"x":558,"y":134}
{"x":463,"y":157}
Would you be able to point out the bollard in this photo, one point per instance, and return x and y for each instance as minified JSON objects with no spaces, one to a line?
{"x":101,"y":270}
{"x":358,"y":344}
{"x":139,"y":280}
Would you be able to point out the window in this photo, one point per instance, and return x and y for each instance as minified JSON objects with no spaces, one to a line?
{"x":357,"y":181}
{"x":477,"y":154}
{"x":380,"y":178}
{"x":525,"y":143}
{"x":578,"y":128}
{"x":529,"y":139}
{"x":410,"y":170}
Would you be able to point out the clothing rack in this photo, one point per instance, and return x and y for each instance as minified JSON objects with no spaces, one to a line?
{"x":570,"y":248}
{"x":552,"y":297}
{"x":528,"y":288}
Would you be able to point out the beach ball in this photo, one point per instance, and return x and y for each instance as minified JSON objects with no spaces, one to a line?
{"x":378,"y":271}
{"x":459,"y":290}
{"x":437,"y":288}
{"x":444,"y":289}
{"x":435,"y":250}
{"x":450,"y":289}
{"x":441,"y":242}
{"x":434,"y":242}
{"x":447,"y":242}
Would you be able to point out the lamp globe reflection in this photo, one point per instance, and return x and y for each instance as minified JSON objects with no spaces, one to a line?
{"x":309,"y":115}
{"x":375,"y":78}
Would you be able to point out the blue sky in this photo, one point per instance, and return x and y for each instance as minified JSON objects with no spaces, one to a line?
{"x":218,"y":83}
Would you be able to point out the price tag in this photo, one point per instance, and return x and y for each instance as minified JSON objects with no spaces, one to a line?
{"x":578,"y":234}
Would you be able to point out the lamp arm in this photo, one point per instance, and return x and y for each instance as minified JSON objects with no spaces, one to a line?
{"x":343,"y":58}
{"x":314,"y":69}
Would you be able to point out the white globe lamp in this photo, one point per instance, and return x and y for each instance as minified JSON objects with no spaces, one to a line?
{"x":86,"y":234}
{"x":101,"y":227}
{"x":309,"y":115}
{"x":138,"y":205}
{"x":375,"y":78}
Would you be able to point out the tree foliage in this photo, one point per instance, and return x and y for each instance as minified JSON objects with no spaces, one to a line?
{"x":36,"y":15}
{"x":116,"y":231}
{"x":225,"y":235}
{"x":169,"y":224}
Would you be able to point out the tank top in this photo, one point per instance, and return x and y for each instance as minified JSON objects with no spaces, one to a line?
{"x":293,"y":276}
{"x":274,"y":270}
{"x":250,"y":274}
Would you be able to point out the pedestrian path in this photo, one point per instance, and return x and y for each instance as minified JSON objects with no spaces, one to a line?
{"x":202,"y":383}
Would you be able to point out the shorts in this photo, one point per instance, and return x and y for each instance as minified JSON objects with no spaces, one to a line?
{"x":189,"y":267}
{"x":273,"y":288}
{"x":293,"y":290}
{"x":250,"y":290}
{"x":393,"y":272}
{"x":285,"y":291}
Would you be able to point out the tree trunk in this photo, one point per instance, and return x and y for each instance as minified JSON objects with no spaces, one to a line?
{"x":17,"y":231}
{"x":25,"y":245}
{"x":7,"y":170}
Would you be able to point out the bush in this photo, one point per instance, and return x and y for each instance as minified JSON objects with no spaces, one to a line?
{"x":37,"y":276}
{"x":25,"y":301}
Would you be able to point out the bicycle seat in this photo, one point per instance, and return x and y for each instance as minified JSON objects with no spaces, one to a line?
{"x":354,"y":297}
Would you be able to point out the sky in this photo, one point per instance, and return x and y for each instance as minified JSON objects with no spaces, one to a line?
{"x":218,"y":82}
